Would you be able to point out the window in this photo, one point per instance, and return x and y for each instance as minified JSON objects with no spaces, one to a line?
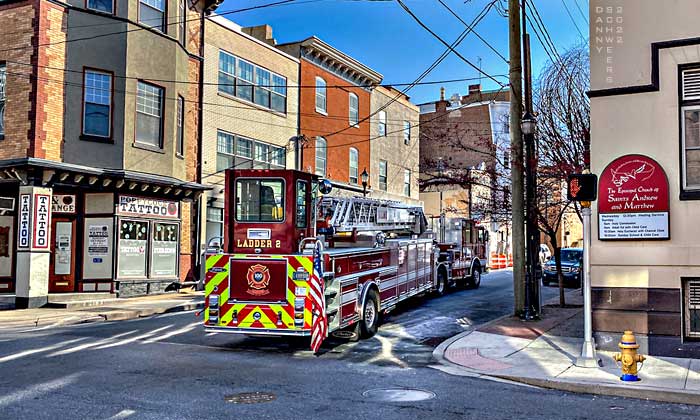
{"x":506,"y":159}
{"x":247,"y":81}
{"x":149,"y":111}
{"x":353,"y":165}
{"x":3,"y":81}
{"x":262,"y":156}
{"x":180,"y":125}
{"x":278,"y":157}
{"x":321,"y":156}
{"x":215,"y":224}
{"x":259,"y":201}
{"x":406,"y":132}
{"x":182,"y":22}
{"x":321,"y":95}
{"x":106,"y":6}
{"x":97,"y":106}
{"x":407,"y":183}
{"x":382,"y":175}
{"x":691,"y":147}
{"x":354,"y":113}
{"x":225,"y":156}
{"x":382,"y":123}
{"x":302,"y":187}
{"x":152,"y":14}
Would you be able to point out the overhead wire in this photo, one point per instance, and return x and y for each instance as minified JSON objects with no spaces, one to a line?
{"x":568,"y":12}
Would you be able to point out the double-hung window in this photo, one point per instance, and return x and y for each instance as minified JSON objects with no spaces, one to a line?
{"x":3,"y":82}
{"x":225,"y":156}
{"x":381,"y":128}
{"x":382,"y":175}
{"x":106,"y":6}
{"x":262,"y":87}
{"x":180,"y":126}
{"x":152,"y":14}
{"x":227,"y":73}
{"x":244,"y":80}
{"x":237,"y":152}
{"x":354,"y":158}
{"x":406,"y":132}
{"x":407,"y":182}
{"x":149,"y":114}
{"x":690,"y":120}
{"x":182,"y":21}
{"x":97,"y":103}
{"x":354,"y":113}
{"x":278,"y":100}
{"x":320,"y":156}
{"x":321,"y":95}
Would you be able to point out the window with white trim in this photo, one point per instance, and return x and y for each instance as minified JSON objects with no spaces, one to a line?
{"x":106,"y":6}
{"x":321,"y":156}
{"x":406,"y":132}
{"x":321,"y":95}
{"x":97,"y":103}
{"x":354,"y":109}
{"x":3,"y":83}
{"x":215,"y":224}
{"x":182,"y":21}
{"x":382,"y":175}
{"x":690,"y":128}
{"x":247,"y":81}
{"x":152,"y":14}
{"x":381,"y":128}
{"x":149,"y":114}
{"x":354,"y":165}
{"x":238,"y":152}
{"x":407,"y":182}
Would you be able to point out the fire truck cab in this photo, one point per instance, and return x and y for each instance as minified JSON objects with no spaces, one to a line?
{"x":463,"y":245}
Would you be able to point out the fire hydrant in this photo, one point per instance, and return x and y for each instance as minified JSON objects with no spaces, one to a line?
{"x":628,"y":357}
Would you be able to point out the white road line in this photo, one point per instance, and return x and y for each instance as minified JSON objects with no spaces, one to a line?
{"x":88,"y":345}
{"x":35,"y":391}
{"x":132,"y":339}
{"x":182,"y":330}
{"x":39,"y":350}
{"x":122,"y":414}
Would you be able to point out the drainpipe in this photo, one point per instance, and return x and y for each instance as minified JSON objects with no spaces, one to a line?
{"x":200,"y":130}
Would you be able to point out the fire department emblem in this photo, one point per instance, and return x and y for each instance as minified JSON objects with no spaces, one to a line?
{"x":258,"y":278}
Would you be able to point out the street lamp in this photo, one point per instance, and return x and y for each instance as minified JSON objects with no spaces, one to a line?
{"x":532,"y":289}
{"x":365,"y":177}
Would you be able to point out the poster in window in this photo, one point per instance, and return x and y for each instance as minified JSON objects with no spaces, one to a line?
{"x":98,"y":240}
{"x":133,"y":240}
{"x":164,"y":250}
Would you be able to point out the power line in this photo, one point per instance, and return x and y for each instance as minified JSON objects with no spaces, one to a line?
{"x":583,"y":15}
{"x":568,"y":12}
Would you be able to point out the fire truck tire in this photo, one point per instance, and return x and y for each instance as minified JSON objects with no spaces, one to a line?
{"x":475,"y":279}
{"x":441,"y":286}
{"x":369,"y":323}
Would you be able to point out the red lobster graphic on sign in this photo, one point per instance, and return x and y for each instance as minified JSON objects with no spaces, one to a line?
{"x":634,"y":169}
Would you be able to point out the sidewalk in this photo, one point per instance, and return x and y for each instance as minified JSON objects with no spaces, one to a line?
{"x":542,"y":354}
{"x":122,"y":309}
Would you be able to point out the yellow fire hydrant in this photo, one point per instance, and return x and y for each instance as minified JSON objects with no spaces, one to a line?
{"x":628,"y":357}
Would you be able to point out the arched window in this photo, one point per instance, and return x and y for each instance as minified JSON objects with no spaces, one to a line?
{"x":321,"y":156}
{"x":354,"y":159}
{"x":354,"y":106}
{"x":321,"y":95}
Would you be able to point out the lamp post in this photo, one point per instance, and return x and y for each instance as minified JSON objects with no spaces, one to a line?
{"x":532,"y":289}
{"x":365,"y":177}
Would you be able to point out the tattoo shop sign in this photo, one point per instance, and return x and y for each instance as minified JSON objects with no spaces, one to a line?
{"x":148,"y":207}
{"x":633,"y":200}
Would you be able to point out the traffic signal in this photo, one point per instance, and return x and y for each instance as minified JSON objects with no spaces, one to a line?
{"x":582,"y":187}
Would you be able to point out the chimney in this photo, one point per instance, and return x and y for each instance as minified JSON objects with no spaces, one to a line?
{"x":442,"y":93}
{"x":261,"y":32}
{"x":474,"y":89}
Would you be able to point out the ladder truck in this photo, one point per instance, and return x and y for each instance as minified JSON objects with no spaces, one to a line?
{"x":284,"y":236}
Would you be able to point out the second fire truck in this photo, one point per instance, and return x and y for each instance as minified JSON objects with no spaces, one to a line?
{"x":369,"y":255}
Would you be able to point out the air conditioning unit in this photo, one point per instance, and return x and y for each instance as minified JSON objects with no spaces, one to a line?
{"x":7,"y":204}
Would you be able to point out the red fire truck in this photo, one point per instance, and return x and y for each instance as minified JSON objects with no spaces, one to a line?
{"x":282,"y":229}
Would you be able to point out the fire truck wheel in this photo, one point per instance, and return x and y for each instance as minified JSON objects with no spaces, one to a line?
{"x":370,"y":323}
{"x":475,"y":279}
{"x":441,"y":286}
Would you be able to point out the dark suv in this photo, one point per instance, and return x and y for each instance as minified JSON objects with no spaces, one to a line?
{"x":571,"y":267}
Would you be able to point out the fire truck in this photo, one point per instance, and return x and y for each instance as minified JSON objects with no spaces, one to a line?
{"x":283,"y":231}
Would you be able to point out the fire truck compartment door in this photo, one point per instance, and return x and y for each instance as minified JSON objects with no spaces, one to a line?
{"x":258,"y":279}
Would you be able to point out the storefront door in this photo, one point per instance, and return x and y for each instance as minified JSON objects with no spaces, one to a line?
{"x":62,"y":265}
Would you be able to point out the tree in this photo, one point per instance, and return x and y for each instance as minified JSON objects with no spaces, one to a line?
{"x":563,"y":136}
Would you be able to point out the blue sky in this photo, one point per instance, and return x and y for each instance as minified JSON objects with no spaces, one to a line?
{"x":384,"y":37}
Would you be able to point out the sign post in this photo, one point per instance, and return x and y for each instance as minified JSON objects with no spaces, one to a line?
{"x":583,"y":188}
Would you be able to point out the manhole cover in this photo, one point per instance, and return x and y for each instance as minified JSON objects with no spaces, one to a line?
{"x":250,"y":397}
{"x":398,"y":394}
{"x":343,"y":334}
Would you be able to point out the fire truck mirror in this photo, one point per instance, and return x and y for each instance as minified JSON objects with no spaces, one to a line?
{"x":325,"y":186}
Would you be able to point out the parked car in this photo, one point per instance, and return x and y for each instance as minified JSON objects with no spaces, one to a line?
{"x":545,"y":254}
{"x":571,"y":267}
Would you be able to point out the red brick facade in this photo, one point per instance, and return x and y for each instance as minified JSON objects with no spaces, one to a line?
{"x":314,"y":124}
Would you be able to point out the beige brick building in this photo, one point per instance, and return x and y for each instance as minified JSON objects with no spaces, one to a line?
{"x":394,"y":146}
{"x":250,"y":120}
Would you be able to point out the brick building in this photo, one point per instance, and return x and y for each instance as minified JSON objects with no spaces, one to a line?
{"x":334,"y":113}
{"x":99,"y":145}
{"x":250,"y":114}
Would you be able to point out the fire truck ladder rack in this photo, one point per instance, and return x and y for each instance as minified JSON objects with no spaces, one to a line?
{"x":366,"y":214}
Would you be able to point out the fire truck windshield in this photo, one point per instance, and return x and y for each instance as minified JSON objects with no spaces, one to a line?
{"x":260,"y":200}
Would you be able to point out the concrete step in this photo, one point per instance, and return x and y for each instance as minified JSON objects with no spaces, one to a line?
{"x":80,"y":300}
{"x":7,"y":301}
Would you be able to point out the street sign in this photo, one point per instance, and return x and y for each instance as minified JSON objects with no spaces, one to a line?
{"x":582,"y":187}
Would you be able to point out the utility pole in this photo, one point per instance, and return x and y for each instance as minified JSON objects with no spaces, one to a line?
{"x":516,"y":150}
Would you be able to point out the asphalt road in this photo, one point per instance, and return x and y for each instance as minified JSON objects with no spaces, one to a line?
{"x":166,"y":367}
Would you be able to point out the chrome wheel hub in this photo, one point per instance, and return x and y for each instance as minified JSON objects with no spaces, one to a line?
{"x":369,"y":314}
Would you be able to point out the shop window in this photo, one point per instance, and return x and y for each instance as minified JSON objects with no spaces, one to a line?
{"x":97,"y":106}
{"x":301,"y":204}
{"x":164,"y":246}
{"x":149,"y":114}
{"x":133,"y":243}
{"x":106,"y":6}
{"x":259,"y":201}
{"x":321,"y":156}
{"x":382,"y":175}
{"x":354,"y":158}
{"x":152,"y":14}
{"x":691,"y":304}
